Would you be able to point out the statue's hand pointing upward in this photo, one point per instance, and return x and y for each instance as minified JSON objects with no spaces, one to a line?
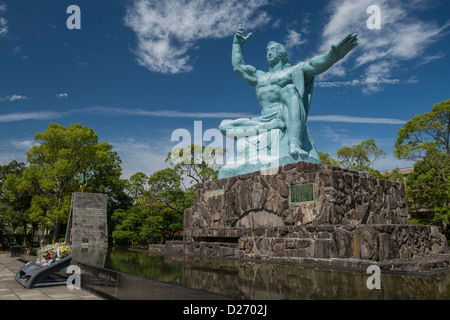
{"x":239,"y":36}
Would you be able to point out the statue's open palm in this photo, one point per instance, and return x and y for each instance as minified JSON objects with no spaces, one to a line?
{"x":344,"y":46}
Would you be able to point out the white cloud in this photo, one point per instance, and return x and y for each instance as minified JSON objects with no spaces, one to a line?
{"x":389,"y":162}
{"x":21,"y":116}
{"x":138,"y":156}
{"x":402,"y":37}
{"x":14,"y":97}
{"x":25,"y":145}
{"x":49,"y":115}
{"x":356,"y":82}
{"x":351,"y":119}
{"x":61,"y":95}
{"x":294,"y":39}
{"x":3,"y":21}
{"x":338,"y":137}
{"x":167,"y":30}
{"x":165,"y":113}
{"x":14,"y":150}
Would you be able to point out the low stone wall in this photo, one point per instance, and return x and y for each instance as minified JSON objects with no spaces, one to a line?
{"x":393,"y":247}
{"x":365,"y":242}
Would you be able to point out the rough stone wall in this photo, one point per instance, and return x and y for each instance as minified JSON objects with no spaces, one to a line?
{"x":376,"y":242}
{"x":365,"y":242}
{"x":341,"y":197}
{"x":88,"y":220}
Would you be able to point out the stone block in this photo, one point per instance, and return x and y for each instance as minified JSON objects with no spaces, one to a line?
{"x":322,"y":248}
{"x":87,"y":225}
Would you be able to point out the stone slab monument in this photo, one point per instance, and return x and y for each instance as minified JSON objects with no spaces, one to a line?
{"x":87,"y":225}
{"x":274,"y":201}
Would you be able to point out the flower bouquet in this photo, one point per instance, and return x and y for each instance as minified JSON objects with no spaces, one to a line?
{"x":53,"y":252}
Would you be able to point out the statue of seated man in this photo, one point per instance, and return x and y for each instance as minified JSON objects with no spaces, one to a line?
{"x":284,"y":92}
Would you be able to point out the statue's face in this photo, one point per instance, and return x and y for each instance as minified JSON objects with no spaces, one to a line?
{"x":272,"y":55}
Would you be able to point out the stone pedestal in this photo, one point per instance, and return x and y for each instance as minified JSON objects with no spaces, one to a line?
{"x":307,"y":213}
{"x":336,"y":196}
{"x":87,"y":225}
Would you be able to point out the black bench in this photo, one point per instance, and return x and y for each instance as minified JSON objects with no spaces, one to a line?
{"x":16,"y":251}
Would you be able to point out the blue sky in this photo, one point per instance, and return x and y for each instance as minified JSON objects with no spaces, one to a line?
{"x":138,"y":70}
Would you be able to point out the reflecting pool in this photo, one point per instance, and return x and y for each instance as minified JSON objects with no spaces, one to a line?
{"x":260,"y":280}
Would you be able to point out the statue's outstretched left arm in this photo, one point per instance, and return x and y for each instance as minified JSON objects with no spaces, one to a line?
{"x":322,"y":63}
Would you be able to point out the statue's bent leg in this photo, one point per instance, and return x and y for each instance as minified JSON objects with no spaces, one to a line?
{"x":296,"y":118}
{"x":239,"y":128}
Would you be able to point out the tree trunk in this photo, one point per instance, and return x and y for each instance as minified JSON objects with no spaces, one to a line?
{"x":25,"y":242}
{"x":55,"y":232}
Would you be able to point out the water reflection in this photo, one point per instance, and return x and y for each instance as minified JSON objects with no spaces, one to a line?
{"x":265,"y":281}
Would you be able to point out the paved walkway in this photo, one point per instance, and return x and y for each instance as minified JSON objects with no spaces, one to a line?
{"x":10,"y":289}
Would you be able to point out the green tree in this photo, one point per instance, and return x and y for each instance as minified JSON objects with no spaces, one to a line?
{"x":62,"y":155}
{"x":6,"y":214}
{"x":17,"y":193}
{"x":164,"y":196}
{"x":19,"y":200}
{"x":135,"y":185}
{"x":167,"y":198}
{"x":425,"y":139}
{"x":393,"y":175}
{"x":326,"y":159}
{"x":428,"y":197}
{"x":106,"y":178}
{"x":128,"y":226}
{"x":360,"y":157}
{"x":196,"y":162}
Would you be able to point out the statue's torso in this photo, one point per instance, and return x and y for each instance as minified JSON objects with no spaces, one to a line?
{"x":268,"y":89}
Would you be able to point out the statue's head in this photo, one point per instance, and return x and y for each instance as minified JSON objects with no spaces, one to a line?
{"x":280,"y":50}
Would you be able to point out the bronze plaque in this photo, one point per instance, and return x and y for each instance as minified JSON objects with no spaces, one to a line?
{"x":302,"y":193}
{"x":213,"y":193}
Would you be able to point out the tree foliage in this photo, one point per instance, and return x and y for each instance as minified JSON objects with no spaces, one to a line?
{"x":196,"y":162}
{"x":325,"y":158}
{"x":161,"y":199}
{"x":14,"y":204}
{"x":360,"y":157}
{"x":425,"y":139}
{"x":135,"y":186}
{"x":41,"y":193}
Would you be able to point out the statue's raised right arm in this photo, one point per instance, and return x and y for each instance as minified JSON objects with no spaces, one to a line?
{"x":246,"y":72}
{"x":322,"y":63}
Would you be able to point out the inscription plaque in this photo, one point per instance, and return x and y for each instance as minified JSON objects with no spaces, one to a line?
{"x":302,"y":193}
{"x":213,"y":193}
